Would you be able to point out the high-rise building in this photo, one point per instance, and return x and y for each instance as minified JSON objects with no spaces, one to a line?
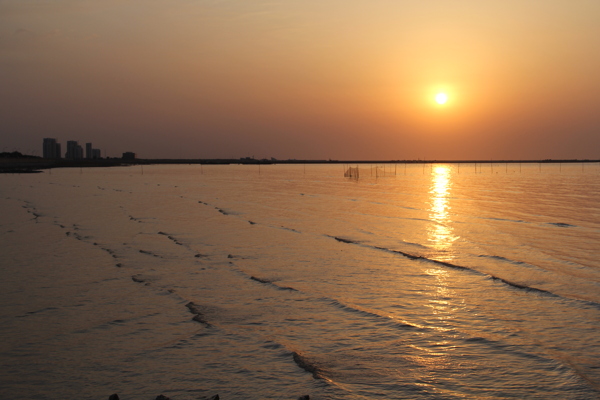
{"x":74,"y":151}
{"x":51,"y":148}
{"x":89,"y":151}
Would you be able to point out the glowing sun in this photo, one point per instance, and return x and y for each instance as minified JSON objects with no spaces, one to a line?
{"x":441,"y":98}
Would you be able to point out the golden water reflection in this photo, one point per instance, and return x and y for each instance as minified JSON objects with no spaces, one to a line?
{"x":441,"y":234}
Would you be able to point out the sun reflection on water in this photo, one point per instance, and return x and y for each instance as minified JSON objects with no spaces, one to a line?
{"x":441,"y":237}
{"x":440,"y":233}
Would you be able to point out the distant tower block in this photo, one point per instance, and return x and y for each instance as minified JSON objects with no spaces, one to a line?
{"x":89,"y":151}
{"x":128,"y":155}
{"x":74,"y":151}
{"x":51,"y":148}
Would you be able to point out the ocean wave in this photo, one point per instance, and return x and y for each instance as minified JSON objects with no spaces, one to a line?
{"x":381,"y":318}
{"x":511,"y":284}
{"x":270,"y":283}
{"x":344,"y":240}
{"x":505,"y":220}
{"x":198,"y":312}
{"x":289,"y":229}
{"x":524,"y":287}
{"x":308,"y":365}
{"x":149,"y":253}
{"x":222,"y":211}
{"x":171,"y":238}
{"x":562,"y":225}
{"x":38,"y":311}
{"x":500,"y":258}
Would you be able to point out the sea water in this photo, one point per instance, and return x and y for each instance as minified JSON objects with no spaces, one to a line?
{"x":433,"y":281}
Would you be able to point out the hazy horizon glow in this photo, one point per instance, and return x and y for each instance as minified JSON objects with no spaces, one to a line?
{"x":303,"y":79}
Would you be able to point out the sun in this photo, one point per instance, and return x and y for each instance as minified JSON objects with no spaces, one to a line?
{"x":441,"y":98}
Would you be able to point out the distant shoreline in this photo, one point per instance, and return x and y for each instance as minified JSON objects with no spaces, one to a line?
{"x":31,"y":164}
{"x":265,"y":161}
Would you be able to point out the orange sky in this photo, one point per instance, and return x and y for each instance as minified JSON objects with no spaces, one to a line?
{"x":303,"y":79}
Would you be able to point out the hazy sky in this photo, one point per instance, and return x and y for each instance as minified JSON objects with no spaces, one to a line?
{"x":340,"y":79}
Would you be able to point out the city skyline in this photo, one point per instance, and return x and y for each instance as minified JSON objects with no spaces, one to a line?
{"x":304,"y":80}
{"x":51,"y":149}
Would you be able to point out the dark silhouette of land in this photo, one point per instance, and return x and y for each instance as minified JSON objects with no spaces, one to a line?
{"x":16,"y":162}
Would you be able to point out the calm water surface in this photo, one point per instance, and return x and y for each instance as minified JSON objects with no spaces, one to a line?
{"x":411,"y":282}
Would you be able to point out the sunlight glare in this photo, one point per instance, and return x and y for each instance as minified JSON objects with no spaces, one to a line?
{"x":441,"y":234}
{"x":441,"y":98}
